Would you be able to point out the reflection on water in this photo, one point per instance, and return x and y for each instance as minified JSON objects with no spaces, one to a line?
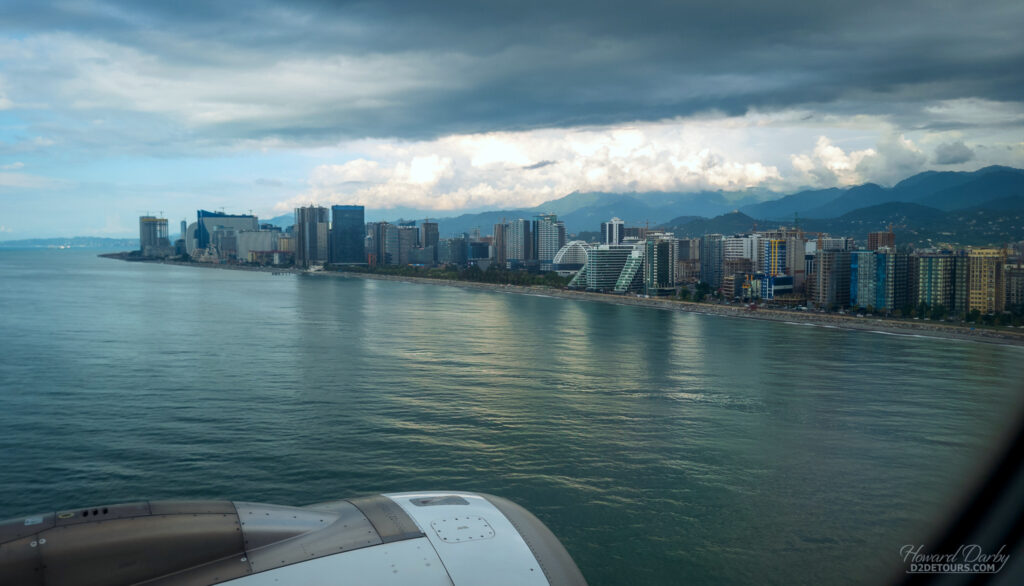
{"x":661,"y":447}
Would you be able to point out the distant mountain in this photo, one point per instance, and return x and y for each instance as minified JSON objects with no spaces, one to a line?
{"x":1007,"y":204}
{"x":485,"y":221}
{"x":637,"y":209}
{"x":798,"y":203}
{"x":75,"y":242}
{"x":282,"y":222}
{"x":920,"y":186}
{"x":926,"y":227}
{"x":586,"y":211}
{"x":945,"y":190}
{"x":897,"y":213}
{"x":993,"y":188}
{"x":857,"y":197}
{"x":988,"y":184}
{"x":727,"y":224}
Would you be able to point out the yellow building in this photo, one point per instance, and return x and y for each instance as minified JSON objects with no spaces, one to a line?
{"x":986,"y":292}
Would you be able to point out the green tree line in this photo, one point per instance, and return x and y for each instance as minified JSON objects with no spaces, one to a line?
{"x":473,"y":273}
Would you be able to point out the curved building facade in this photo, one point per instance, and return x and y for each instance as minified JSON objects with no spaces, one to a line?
{"x":572,"y":256}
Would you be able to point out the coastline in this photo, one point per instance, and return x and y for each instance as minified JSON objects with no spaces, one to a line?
{"x":922,"y":328}
{"x":872,"y":325}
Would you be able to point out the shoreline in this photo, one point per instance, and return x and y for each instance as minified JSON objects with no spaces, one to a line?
{"x":876,"y":325}
{"x":885,"y":326}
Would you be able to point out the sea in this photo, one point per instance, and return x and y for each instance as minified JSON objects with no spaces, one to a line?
{"x":661,"y":447}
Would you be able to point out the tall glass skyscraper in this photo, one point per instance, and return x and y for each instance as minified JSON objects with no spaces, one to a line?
{"x":348,"y":235}
{"x":712,"y":255}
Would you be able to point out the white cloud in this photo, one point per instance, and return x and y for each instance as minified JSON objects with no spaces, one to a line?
{"x":829,"y":165}
{"x":522,"y":169}
{"x":27,"y":181}
{"x":897,"y":158}
{"x":517,"y":169}
{"x":5,"y":102}
{"x":12,"y":166}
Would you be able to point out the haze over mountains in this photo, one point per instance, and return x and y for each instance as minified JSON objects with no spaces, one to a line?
{"x":993,"y":188}
{"x":935,"y":204}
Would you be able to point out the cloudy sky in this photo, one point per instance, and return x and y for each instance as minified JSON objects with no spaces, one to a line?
{"x":109,"y":110}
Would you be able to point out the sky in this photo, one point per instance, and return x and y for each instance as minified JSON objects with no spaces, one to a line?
{"x":110,"y":110}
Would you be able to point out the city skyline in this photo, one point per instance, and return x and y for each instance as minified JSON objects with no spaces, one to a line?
{"x":785,"y":266}
{"x":109,"y":107}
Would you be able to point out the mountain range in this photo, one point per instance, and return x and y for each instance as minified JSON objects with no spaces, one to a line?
{"x":948,"y":206}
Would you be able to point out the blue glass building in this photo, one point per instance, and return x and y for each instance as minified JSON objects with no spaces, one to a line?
{"x":348,"y":235}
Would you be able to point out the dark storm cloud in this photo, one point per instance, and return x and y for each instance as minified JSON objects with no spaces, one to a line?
{"x":521,"y":65}
{"x":953,"y":153}
{"x":538,"y":165}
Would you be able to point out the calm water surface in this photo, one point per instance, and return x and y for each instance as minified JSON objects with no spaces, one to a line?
{"x":661,"y":447}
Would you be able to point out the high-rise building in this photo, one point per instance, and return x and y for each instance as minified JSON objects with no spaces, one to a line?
{"x":549,"y":235}
{"x":897,"y":282}
{"x":311,"y":233}
{"x":772,"y":255}
{"x":408,"y":239}
{"x":375,"y":243}
{"x":796,"y":247}
{"x":604,"y":267}
{"x":745,"y":246}
{"x":689,"y":249}
{"x":429,"y":237}
{"x":711,"y":257}
{"x":152,"y":231}
{"x":499,"y":244}
{"x":660,"y":263}
{"x":153,"y":236}
{"x":737,"y":266}
{"x":831,"y":278}
{"x":934,"y":276}
{"x":864,"y":279}
{"x":825,"y":242}
{"x":634,"y":232}
{"x":987,"y":293}
{"x":961,"y":283}
{"x":452,"y":250}
{"x":878,"y":240}
{"x":1014,"y":279}
{"x":390,"y":242}
{"x":613,"y":231}
{"x":348,"y":235}
{"x":478,"y":250}
{"x":252,"y":244}
{"x":735,"y":273}
{"x":518,"y":242}
{"x":207,"y":222}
